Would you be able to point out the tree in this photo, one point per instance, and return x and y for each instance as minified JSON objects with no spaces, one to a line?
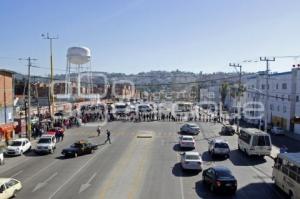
{"x":224,"y":91}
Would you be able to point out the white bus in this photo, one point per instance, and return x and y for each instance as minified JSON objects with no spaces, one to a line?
{"x":286,"y":173}
{"x":183,"y":107}
{"x":254,"y":142}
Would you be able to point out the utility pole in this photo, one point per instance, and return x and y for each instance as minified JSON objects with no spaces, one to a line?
{"x":267,"y":60}
{"x":29,"y":59}
{"x":239,"y":94}
{"x":51,"y":96}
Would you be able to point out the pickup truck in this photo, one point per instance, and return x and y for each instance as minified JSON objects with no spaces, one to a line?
{"x":79,"y":148}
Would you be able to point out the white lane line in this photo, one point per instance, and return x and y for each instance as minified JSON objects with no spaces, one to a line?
{"x":83,"y":187}
{"x":42,"y":184}
{"x":180,"y":181}
{"x":74,"y":174}
{"x":41,"y":170}
{"x":19,"y":172}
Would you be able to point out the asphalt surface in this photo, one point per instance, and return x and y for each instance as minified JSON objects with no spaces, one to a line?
{"x":134,"y":167}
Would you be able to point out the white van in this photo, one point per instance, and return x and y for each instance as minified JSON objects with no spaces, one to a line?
{"x":254,"y":142}
{"x":286,"y":173}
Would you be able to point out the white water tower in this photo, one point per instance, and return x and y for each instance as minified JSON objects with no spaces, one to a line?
{"x":78,"y":58}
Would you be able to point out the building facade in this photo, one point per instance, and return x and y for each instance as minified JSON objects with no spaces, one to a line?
{"x":6,"y":104}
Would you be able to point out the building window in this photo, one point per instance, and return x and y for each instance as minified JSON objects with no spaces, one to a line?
{"x":289,"y":98}
{"x":276,"y":97}
{"x":271,"y":107}
{"x":284,"y":86}
{"x":297,"y":98}
{"x":277,"y":86}
{"x":284,"y":109}
{"x":282,"y":97}
{"x":278,"y":108}
{"x":263,"y":87}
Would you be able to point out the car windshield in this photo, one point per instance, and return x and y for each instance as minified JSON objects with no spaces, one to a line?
{"x":187,"y":139}
{"x":44,"y":141}
{"x":221,"y":145}
{"x":192,"y":157}
{"x":16,"y":143}
{"x":223,"y":173}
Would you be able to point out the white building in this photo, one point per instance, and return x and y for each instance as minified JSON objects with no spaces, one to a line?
{"x":282,"y":103}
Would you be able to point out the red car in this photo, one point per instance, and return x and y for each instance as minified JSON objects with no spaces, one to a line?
{"x":55,"y":130}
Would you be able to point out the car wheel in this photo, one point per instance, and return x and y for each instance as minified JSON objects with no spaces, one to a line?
{"x":14,"y":194}
{"x":291,"y":195}
{"x":29,"y":148}
{"x":51,"y":151}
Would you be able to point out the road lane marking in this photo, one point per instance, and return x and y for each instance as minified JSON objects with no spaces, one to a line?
{"x":19,"y":172}
{"x":83,"y":187}
{"x":180,"y":180}
{"x":42,"y":184}
{"x":74,"y":174}
{"x":41,"y":170}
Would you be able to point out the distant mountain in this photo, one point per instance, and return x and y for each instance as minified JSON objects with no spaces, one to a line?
{"x":152,"y":80}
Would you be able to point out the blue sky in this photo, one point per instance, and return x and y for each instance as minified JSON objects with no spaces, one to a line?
{"x":131,"y":36}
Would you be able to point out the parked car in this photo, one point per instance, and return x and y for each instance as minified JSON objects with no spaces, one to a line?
{"x":9,"y":187}
{"x":18,"y":147}
{"x":190,"y":128}
{"x":46,"y":144}
{"x":79,"y":148}
{"x":218,"y":147}
{"x":191,"y":161}
{"x":275,"y":130}
{"x":186,"y":141}
{"x":1,"y":156}
{"x":227,"y":130}
{"x":219,"y":179}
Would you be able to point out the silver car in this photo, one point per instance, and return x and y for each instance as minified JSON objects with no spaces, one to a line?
{"x":218,"y":147}
{"x":190,"y":128}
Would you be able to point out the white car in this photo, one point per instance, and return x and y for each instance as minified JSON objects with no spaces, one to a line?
{"x":1,"y":157}
{"x":277,"y":131}
{"x":9,"y":187}
{"x":191,"y":161}
{"x":18,"y":147}
{"x":186,"y":141}
{"x":218,"y":147}
{"x":46,"y":144}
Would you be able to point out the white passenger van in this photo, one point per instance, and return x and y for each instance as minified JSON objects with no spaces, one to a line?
{"x":254,"y":142}
{"x":286,"y":173}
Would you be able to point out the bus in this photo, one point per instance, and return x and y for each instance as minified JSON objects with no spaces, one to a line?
{"x":254,"y":142}
{"x":183,"y":107}
{"x":286,"y":173}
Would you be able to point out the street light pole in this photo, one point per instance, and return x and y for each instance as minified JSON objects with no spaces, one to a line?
{"x":239,"y":94}
{"x":267,"y":60}
{"x":51,"y":96}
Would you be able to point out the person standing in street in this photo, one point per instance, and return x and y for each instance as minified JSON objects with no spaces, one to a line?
{"x":107,"y":137}
{"x":99,"y":130}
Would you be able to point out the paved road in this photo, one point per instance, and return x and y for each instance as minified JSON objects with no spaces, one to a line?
{"x":134,"y":167}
